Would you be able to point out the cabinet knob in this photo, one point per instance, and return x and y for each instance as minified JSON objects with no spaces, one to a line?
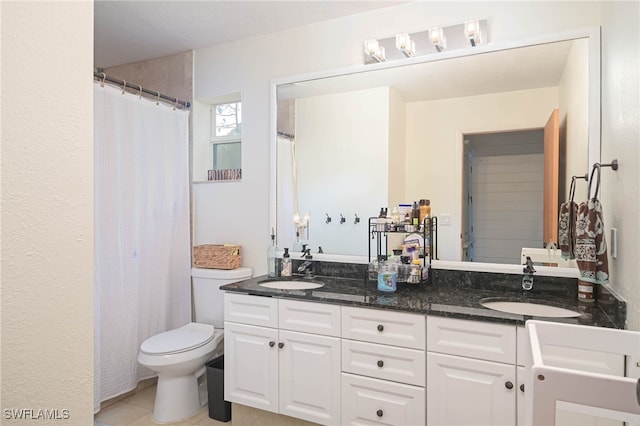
{"x":508,"y":385}
{"x":272,"y":344}
{"x":380,"y":327}
{"x":281,"y":345}
{"x":379,"y":413}
{"x":380,"y":363}
{"x":522,"y":387}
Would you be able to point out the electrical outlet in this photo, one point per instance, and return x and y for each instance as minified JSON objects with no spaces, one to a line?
{"x":614,"y":243}
{"x":444,"y":219}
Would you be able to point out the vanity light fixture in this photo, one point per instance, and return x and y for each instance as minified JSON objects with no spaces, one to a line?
{"x":405,"y":44}
{"x":436,"y":37}
{"x":472,"y":32}
{"x":372,"y":48}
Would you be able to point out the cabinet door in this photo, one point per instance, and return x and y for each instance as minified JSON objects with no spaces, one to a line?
{"x":367,"y":401}
{"x":465,"y":391}
{"x":309,"y":377}
{"x":521,"y":404}
{"x":251,"y":372}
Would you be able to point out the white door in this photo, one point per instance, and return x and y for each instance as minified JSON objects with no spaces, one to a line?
{"x":466,"y":391}
{"x":251,"y":372}
{"x":309,"y":377}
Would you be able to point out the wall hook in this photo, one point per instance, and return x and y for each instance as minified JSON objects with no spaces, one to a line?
{"x":342,"y":219}
{"x":328,"y":219}
{"x":356,"y":220}
{"x":613,"y":164}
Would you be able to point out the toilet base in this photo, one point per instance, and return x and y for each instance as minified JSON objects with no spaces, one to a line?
{"x":177,"y":398}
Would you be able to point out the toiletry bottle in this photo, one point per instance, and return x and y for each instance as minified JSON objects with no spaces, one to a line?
{"x":425,"y":210}
{"x":415,"y":214}
{"x":271,"y":257}
{"x":286,"y":263}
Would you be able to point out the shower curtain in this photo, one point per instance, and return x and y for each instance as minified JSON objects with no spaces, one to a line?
{"x":141,"y":223}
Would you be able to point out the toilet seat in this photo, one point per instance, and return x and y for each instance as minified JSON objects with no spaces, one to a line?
{"x":183,"y":339}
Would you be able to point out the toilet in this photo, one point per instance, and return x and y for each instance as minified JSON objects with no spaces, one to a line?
{"x":179,"y":356}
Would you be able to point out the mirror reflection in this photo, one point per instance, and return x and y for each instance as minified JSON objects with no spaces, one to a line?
{"x":491,"y":139}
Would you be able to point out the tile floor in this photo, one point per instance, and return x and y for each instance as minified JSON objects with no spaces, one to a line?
{"x":136,"y":410}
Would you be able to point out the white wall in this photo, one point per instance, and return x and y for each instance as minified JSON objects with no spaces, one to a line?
{"x":47,"y":210}
{"x":239,"y":212}
{"x":621,"y":139}
{"x":347,"y":138}
{"x":574,"y":120}
{"x":434,"y":147}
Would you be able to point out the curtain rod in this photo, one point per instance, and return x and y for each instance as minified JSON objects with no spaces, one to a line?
{"x":103,"y":77}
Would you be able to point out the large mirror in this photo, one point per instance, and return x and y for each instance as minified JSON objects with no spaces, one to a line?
{"x":466,"y":132}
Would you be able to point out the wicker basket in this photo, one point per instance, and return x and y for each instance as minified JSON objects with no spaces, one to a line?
{"x":217,"y":256}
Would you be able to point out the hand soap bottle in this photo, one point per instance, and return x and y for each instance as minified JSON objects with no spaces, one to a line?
{"x":286,"y":263}
{"x":272,"y":261}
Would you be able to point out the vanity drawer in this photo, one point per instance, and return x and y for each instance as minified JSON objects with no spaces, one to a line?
{"x":383,"y":326}
{"x":372,"y":401}
{"x":473,"y":339}
{"x":309,"y":317}
{"x":384,"y":362}
{"x":253,"y":310}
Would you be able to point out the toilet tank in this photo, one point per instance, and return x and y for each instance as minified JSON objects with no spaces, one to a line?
{"x":208,"y":299}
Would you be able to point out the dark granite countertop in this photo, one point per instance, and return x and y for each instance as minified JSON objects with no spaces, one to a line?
{"x":455,"y":294}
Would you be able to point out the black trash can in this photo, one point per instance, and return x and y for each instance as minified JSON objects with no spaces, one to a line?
{"x":219,"y":409}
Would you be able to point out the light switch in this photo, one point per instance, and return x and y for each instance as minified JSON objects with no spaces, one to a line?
{"x":444,"y":219}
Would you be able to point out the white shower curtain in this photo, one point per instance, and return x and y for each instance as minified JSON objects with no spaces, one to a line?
{"x":141,"y":221}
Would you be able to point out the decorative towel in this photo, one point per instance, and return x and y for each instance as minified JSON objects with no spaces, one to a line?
{"x":590,"y":245}
{"x":566,"y":229}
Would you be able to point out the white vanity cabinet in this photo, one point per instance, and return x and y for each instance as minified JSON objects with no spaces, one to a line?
{"x":471,"y":372}
{"x":383,"y":367}
{"x":283,"y":356}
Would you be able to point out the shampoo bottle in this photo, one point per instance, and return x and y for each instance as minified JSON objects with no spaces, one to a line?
{"x":286,"y":263}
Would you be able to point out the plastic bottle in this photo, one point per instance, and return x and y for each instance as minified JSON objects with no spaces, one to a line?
{"x":286,"y":263}
{"x":272,"y":270}
{"x":415,"y":214}
{"x":425,"y":210}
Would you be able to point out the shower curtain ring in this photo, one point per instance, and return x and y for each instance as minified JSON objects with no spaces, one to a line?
{"x":157,"y":98}
{"x":140,"y":91}
{"x":124,"y":85}
{"x":104,"y":77}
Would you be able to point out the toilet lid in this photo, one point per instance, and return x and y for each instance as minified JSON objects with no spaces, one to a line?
{"x":185,"y":338}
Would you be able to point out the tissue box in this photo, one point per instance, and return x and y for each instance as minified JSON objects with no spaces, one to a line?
{"x":217,"y":256}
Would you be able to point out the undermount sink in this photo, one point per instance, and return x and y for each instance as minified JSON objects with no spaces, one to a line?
{"x":290,"y":285}
{"x":531,"y":309}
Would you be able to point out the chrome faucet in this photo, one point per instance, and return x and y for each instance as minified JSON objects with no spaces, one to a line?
{"x":307,"y":266}
{"x":528,"y":270}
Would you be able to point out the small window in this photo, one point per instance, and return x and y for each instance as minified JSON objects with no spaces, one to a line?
{"x":226,"y":139}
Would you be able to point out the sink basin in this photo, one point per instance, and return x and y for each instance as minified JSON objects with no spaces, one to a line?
{"x":531,"y":309}
{"x":290,"y":285}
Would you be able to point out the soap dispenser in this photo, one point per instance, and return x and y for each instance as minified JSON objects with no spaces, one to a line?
{"x":272,"y":261}
{"x":286,"y":263}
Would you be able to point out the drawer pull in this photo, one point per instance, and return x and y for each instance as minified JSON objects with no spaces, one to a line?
{"x":522,"y":387}
{"x":272,"y":344}
{"x":508,"y":385}
{"x":281,"y":345}
{"x":380,"y":327}
{"x":379,"y":413}
{"x":380,"y":363}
